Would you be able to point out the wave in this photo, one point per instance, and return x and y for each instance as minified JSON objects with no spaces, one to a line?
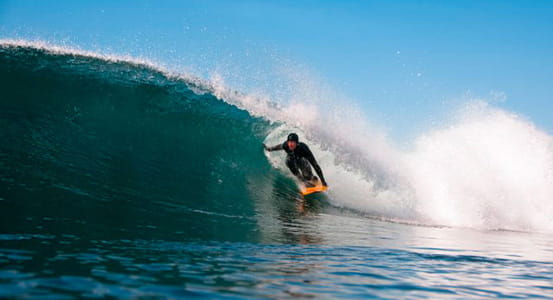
{"x":122,"y":141}
{"x":111,"y":127}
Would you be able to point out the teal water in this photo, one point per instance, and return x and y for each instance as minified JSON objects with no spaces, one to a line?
{"x":119,"y":180}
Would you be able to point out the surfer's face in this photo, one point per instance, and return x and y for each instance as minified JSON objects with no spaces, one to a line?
{"x":292,"y":145}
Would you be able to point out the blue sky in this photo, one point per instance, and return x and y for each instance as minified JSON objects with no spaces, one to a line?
{"x":406,"y":63}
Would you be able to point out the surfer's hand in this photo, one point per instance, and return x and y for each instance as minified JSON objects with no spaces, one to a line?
{"x":324,"y":183}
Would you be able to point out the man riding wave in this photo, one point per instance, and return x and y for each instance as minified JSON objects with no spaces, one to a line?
{"x":298,"y":159}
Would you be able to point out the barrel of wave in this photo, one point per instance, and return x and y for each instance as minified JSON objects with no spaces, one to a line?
{"x":348,"y":186}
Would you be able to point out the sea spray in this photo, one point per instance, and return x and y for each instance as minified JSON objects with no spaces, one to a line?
{"x":488,"y":169}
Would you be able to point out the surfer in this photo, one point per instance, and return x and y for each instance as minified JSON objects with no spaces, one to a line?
{"x":298,"y":159}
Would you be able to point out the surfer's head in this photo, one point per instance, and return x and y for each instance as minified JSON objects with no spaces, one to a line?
{"x":292,"y":141}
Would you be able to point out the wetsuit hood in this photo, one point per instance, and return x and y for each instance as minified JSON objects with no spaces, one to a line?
{"x":293,"y":137}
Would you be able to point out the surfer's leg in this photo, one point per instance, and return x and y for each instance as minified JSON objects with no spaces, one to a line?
{"x":291,"y":163}
{"x":305,"y":169}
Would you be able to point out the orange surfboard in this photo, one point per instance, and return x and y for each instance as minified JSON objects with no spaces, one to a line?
{"x":310,"y":190}
{"x":315,"y":189}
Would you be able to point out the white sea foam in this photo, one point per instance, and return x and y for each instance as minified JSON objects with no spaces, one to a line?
{"x":489,"y":169}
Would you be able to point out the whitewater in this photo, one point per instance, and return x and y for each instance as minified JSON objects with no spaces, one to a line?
{"x":175,"y":163}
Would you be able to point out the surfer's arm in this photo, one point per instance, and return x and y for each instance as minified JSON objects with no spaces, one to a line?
{"x":273,"y":148}
{"x":316,"y":166}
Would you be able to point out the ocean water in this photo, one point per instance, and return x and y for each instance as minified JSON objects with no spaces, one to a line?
{"x":121,"y":179}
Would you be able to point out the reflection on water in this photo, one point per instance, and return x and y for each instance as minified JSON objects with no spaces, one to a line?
{"x":289,"y":248}
{"x":67,"y":266}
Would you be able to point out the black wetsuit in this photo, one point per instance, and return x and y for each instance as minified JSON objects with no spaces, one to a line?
{"x":299,"y":160}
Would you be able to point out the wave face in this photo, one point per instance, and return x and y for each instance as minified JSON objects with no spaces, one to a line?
{"x":122,"y":146}
{"x":117,"y":137}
